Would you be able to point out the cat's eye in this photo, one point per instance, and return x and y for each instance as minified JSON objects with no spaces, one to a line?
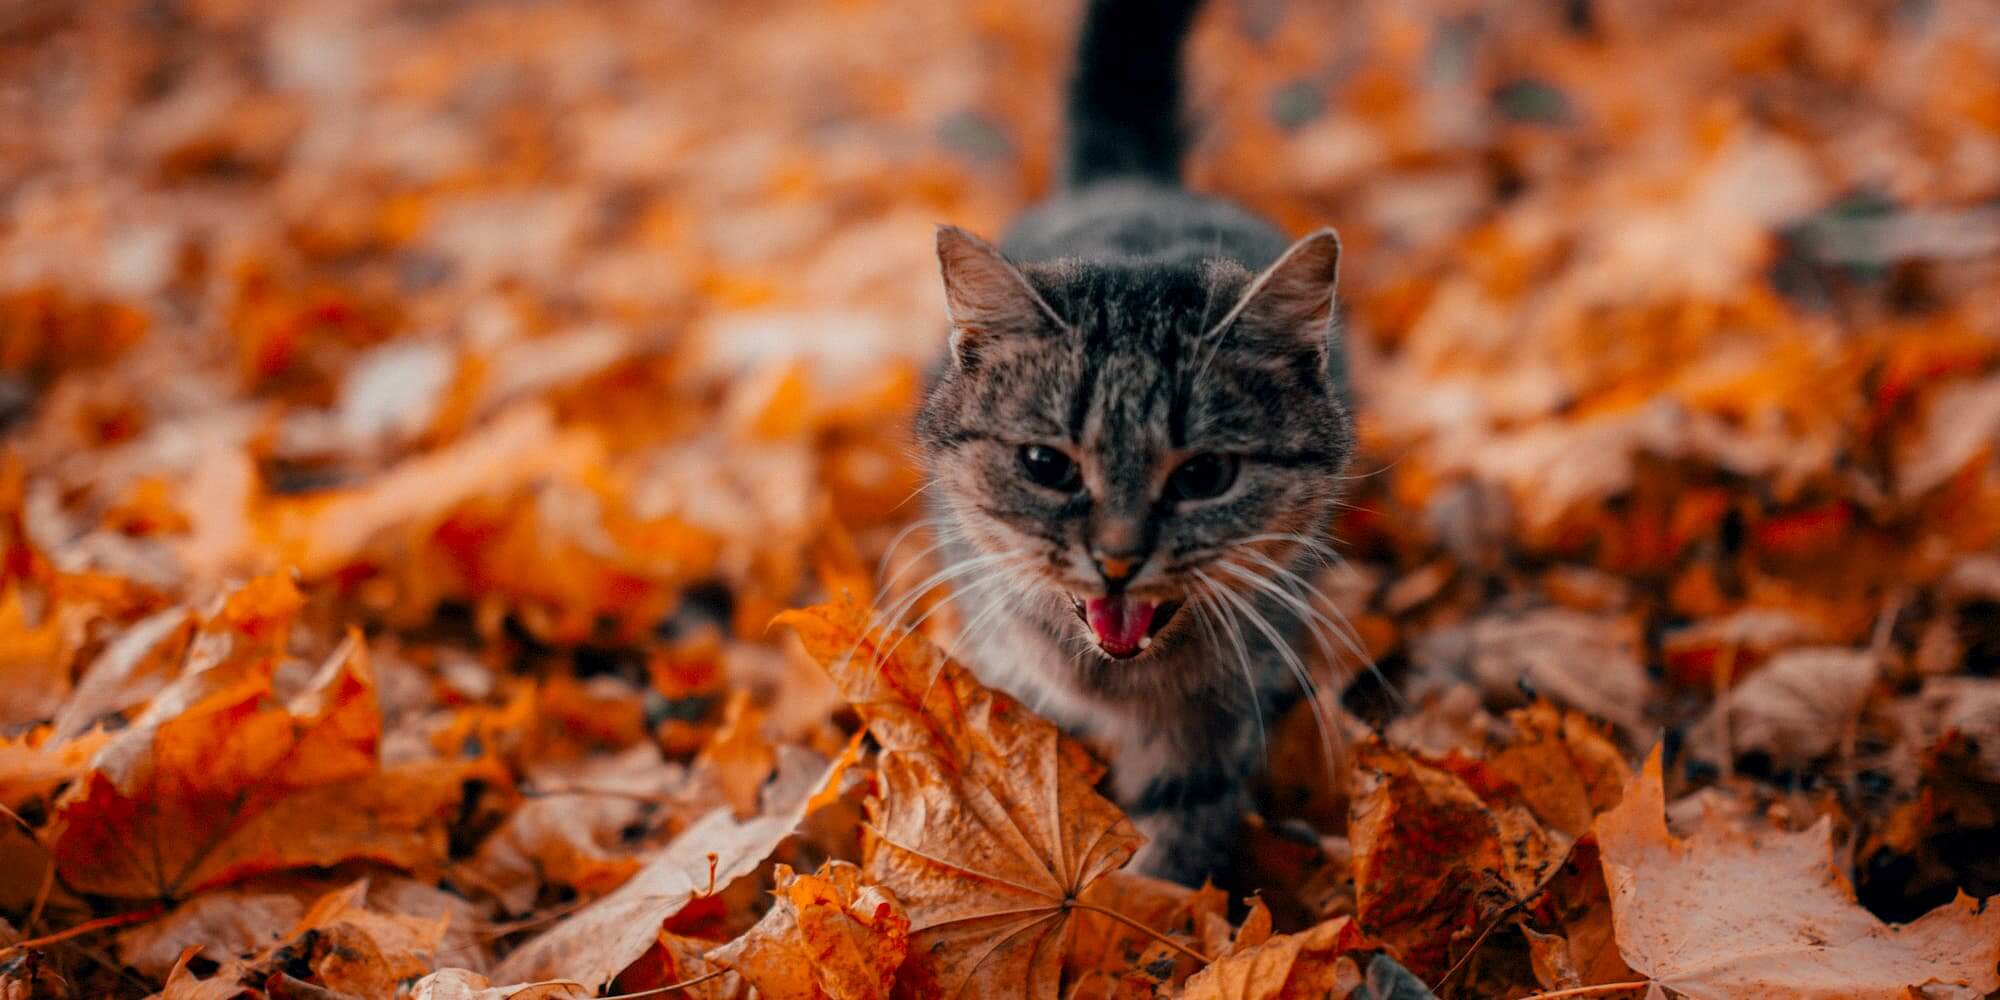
{"x":1202,"y":477}
{"x":1051,"y":468}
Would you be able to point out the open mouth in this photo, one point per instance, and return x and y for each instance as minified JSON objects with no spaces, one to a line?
{"x":1124,"y":626}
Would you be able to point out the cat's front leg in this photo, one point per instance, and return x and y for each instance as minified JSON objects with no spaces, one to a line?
{"x":1187,"y":792}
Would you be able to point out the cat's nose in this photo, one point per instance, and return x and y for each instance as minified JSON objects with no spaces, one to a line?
{"x":1117,"y":569}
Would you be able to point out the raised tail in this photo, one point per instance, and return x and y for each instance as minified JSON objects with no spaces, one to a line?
{"x":1124,"y":116}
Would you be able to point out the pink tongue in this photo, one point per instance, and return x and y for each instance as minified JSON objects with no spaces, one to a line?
{"x":1120,"y":622}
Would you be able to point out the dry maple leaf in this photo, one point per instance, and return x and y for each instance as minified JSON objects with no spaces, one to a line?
{"x":344,"y":947}
{"x":827,"y":937}
{"x":603,"y":939}
{"x":986,"y":826}
{"x":1283,"y":967}
{"x":1560,"y":765}
{"x":1109,"y":957}
{"x":567,"y":833}
{"x":738,"y":757}
{"x":35,"y":764}
{"x":215,"y":782}
{"x":35,"y":661}
{"x":464,"y":984}
{"x":1433,"y":860}
{"x":354,"y":949}
{"x":221,"y":926}
{"x":1724,"y":914}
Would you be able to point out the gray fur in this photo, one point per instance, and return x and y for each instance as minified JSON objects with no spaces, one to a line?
{"x":1128,"y":343}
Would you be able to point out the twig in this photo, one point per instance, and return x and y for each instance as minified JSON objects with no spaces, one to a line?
{"x":670,"y":987}
{"x":1586,"y":991}
{"x":1725,"y":678}
{"x":1512,"y":908}
{"x":88,"y":926}
{"x":1143,"y":929}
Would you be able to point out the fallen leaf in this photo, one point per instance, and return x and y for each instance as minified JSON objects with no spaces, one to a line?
{"x":568,"y":832}
{"x":1433,"y":861}
{"x":1797,"y":707}
{"x":739,"y":757}
{"x":827,"y":937}
{"x":1561,"y":766}
{"x":1285,"y":967}
{"x":1683,"y":917}
{"x":986,"y":825}
{"x":215,"y":783}
{"x":353,"y":949}
{"x":601,"y":940}
{"x":1108,"y":957}
{"x":221,"y":926}
{"x":1583,"y":661}
{"x":132,"y":668}
{"x":35,"y":659}
{"x":463,"y":984}
{"x":34,"y":765}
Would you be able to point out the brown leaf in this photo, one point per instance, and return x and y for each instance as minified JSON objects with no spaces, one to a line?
{"x":739,"y":757}
{"x":986,"y":826}
{"x":1793,"y":709}
{"x":1729,"y":913}
{"x":221,"y":926}
{"x":1561,"y":766}
{"x":1433,"y":861}
{"x":353,"y":949}
{"x":1285,"y":966}
{"x":464,"y":984}
{"x":1111,"y":958}
{"x":602,"y":939}
{"x":1583,"y":661}
{"x":131,"y":669}
{"x":828,"y":937}
{"x":215,"y":783}
{"x":568,"y":833}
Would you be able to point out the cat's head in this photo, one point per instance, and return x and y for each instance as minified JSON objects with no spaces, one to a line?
{"x":1123,"y":443}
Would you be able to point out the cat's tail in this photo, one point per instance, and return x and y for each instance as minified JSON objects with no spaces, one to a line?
{"x":1124,"y":115}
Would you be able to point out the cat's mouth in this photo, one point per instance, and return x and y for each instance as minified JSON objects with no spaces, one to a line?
{"x":1124,"y":626}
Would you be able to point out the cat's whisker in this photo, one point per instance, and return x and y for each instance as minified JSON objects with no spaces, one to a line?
{"x":1342,"y":628}
{"x":889,"y":553}
{"x":1242,"y":664}
{"x":1306,"y":613}
{"x":1291,"y":661}
{"x":981,"y":582}
{"x":883,"y":621}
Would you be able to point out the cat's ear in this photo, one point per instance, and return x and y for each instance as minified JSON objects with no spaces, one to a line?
{"x":985,"y":295}
{"x":1293,"y":298}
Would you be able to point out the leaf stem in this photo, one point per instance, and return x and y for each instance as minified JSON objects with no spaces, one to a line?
{"x":88,"y":926}
{"x":1143,"y":929}
{"x":1586,"y":991}
{"x":670,"y":987}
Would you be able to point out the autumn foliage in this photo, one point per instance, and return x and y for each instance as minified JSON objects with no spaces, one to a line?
{"x":454,"y":470}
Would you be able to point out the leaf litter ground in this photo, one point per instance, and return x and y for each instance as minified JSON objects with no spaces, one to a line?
{"x":415,"y":417}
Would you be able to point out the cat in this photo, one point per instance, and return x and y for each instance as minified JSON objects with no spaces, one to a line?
{"x":1134,"y":449}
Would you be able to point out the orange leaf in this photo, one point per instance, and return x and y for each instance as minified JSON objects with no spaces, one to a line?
{"x":828,"y":937}
{"x":215,"y":782}
{"x":464,"y":984}
{"x":1432,"y":860}
{"x":602,"y":939}
{"x":986,"y":827}
{"x":1288,"y":965}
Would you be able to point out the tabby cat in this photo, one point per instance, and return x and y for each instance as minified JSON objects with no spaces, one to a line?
{"x":1135,"y":447}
